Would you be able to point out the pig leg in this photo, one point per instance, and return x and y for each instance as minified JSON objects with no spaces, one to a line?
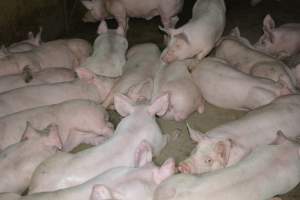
{"x":119,"y":12}
{"x":76,"y":137}
{"x":259,"y":96}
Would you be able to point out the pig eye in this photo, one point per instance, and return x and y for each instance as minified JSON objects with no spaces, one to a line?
{"x":208,"y":161}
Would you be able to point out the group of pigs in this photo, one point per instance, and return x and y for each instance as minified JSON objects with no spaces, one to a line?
{"x":54,"y":96}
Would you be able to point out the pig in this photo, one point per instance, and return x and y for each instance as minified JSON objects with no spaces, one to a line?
{"x":223,"y":86}
{"x":268,"y":171}
{"x":243,"y":56}
{"x":139,"y":72}
{"x":120,"y":182}
{"x":185,"y":97}
{"x":89,"y":86}
{"x":69,"y":53}
{"x":28,"y":78}
{"x":96,"y":11}
{"x":91,"y":128}
{"x":65,"y":170}
{"x":122,"y":9}
{"x":227,"y":144}
{"x":18,"y":161}
{"x":199,"y":36}
{"x":108,"y":57}
{"x":280,"y":42}
{"x":31,"y":43}
{"x":25,"y":45}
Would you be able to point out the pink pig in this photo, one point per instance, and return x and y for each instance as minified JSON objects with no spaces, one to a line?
{"x":185,"y":97}
{"x":280,"y":42}
{"x":65,"y":170}
{"x":18,"y":161}
{"x":122,"y":9}
{"x":199,"y":35}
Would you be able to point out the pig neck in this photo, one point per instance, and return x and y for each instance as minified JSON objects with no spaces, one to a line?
{"x":237,"y":153}
{"x":127,"y":136}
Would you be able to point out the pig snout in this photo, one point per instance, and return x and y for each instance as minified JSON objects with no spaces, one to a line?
{"x":184,"y":168}
{"x":168,"y":57}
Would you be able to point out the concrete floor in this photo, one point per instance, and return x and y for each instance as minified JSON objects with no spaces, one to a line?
{"x":241,"y":14}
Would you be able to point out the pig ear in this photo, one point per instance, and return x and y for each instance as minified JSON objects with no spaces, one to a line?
{"x":120,"y":31}
{"x":223,"y":148}
{"x":87,"y":4}
{"x":235,"y":32}
{"x":141,"y":91}
{"x":86,"y":74}
{"x":53,"y":136}
{"x":38,"y":37}
{"x":101,"y":192}
{"x":143,"y":154}
{"x":280,"y":138}
{"x":29,"y":132}
{"x":195,"y":135}
{"x":159,"y":106}
{"x":123,"y":105}
{"x":268,"y":24}
{"x":183,"y":36}
{"x":166,"y":170}
{"x":102,"y":28}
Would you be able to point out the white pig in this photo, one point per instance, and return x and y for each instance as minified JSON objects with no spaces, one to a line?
{"x":92,"y":127}
{"x":139,"y":71}
{"x":241,"y":54}
{"x":28,"y":78}
{"x":108,"y":57}
{"x":25,"y":45}
{"x":68,"y":53}
{"x":89,"y":86}
{"x":123,"y":183}
{"x":9,"y":196}
{"x":225,"y":145}
{"x":65,"y":170}
{"x":122,"y":9}
{"x":279,"y":42}
{"x":18,"y":161}
{"x":185,"y":97}
{"x":226,"y":87}
{"x":199,"y":35}
{"x":268,"y":171}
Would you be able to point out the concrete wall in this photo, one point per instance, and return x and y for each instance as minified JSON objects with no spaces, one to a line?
{"x":18,"y":17}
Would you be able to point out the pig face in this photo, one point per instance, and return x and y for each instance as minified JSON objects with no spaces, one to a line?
{"x":209,"y":154}
{"x":178,"y":48}
{"x":96,"y":10}
{"x":269,"y":42}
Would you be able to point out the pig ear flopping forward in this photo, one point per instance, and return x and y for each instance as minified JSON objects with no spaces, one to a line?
{"x":86,"y":74}
{"x":123,"y":104}
{"x":195,"y":135}
{"x":160,"y":105}
{"x":223,"y":148}
{"x":166,"y":170}
{"x":280,"y":138}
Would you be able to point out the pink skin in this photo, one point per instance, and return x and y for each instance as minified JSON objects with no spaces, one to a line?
{"x":226,"y":145}
{"x":280,"y":42}
{"x":92,"y":128}
{"x":122,"y":9}
{"x":129,"y":134}
{"x":244,"y":57}
{"x":28,"y":78}
{"x":139,"y":71}
{"x":198,"y":36}
{"x":121,"y":182}
{"x":88,"y":86}
{"x":273,"y":169}
{"x":19,"y":161}
{"x":59,"y":53}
